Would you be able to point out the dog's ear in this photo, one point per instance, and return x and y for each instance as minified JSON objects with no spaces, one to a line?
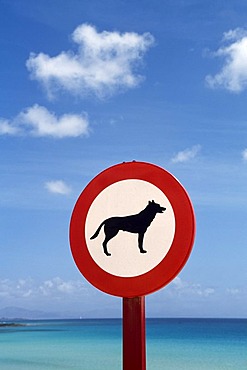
{"x":149,"y":202}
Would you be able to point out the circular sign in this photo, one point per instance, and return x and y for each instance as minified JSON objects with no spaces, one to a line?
{"x":132,"y":229}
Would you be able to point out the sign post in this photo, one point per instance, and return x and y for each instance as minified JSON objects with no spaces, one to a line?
{"x":131,"y":232}
{"x":134,"y":334}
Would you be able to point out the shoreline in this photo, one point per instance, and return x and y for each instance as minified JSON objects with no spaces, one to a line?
{"x":12,"y":324}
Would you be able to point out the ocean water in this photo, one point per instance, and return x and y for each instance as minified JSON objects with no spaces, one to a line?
{"x":172,"y":344}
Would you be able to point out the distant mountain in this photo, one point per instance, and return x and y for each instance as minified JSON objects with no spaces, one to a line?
{"x":22,"y":313}
{"x":19,"y":313}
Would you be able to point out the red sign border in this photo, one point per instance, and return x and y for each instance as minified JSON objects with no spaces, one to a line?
{"x":178,"y":253}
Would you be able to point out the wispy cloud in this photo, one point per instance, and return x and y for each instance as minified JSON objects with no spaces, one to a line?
{"x":57,"y":289}
{"x":6,"y":128}
{"x":244,"y":155}
{"x":181,"y":287}
{"x":57,"y":187}
{"x":29,"y":288}
{"x":187,"y":154}
{"x":104,"y":63}
{"x":234,"y":291}
{"x":59,"y":286}
{"x":39,"y":121}
{"x":233,"y":75}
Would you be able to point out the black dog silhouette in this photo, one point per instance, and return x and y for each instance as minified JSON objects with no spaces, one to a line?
{"x":133,"y":224}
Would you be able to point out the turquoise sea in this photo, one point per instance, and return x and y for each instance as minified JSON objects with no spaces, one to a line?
{"x":172,"y":344}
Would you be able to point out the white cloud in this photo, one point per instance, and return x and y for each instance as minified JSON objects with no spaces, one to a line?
{"x":39,"y":121}
{"x":233,"y":291}
{"x":21,"y":288}
{"x":181,"y":287}
{"x":244,"y":154}
{"x":6,"y":128}
{"x":29,"y":288}
{"x":233,"y":75}
{"x":57,"y":286}
{"x":104,"y":63}
{"x":57,"y":187}
{"x":187,"y":154}
{"x":236,"y":34}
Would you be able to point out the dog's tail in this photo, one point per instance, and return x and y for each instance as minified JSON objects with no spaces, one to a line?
{"x":97,"y":231}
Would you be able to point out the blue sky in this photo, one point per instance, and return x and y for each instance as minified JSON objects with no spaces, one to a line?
{"x":89,"y":84}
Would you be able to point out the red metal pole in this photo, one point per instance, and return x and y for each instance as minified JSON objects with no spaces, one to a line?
{"x":134,"y":334}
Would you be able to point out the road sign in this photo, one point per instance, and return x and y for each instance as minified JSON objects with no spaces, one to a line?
{"x":132,"y":229}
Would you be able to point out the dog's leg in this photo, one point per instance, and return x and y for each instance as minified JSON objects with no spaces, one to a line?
{"x":104,"y":244}
{"x":140,"y":242}
{"x":109,"y":234}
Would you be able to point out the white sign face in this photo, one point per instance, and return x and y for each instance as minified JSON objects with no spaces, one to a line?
{"x":117,"y":220}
